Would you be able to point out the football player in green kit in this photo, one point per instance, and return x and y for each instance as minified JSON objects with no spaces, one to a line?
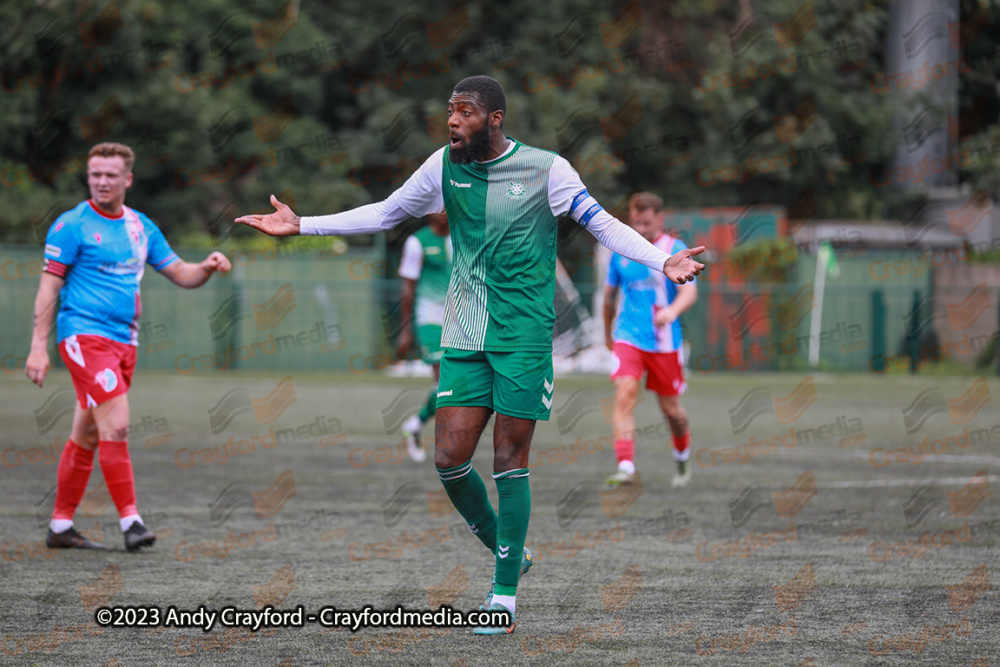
{"x":503,"y":200}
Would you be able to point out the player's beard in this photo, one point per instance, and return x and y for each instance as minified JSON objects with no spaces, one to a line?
{"x":475,"y":149}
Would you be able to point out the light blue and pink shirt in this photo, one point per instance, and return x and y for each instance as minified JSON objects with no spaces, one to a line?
{"x":644,"y":292}
{"x":102,"y":259}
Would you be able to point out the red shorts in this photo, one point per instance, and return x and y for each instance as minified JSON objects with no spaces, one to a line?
{"x":101,"y":368}
{"x":666,"y":375}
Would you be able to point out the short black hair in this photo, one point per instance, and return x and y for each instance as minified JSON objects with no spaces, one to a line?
{"x":487,"y":91}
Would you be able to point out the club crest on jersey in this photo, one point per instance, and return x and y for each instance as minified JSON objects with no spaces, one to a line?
{"x":517,"y":190}
{"x":107,"y":380}
{"x":97,"y":236}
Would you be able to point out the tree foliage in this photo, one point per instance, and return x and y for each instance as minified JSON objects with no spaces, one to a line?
{"x":704,"y":102}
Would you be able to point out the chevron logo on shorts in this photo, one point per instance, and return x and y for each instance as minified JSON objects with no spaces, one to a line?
{"x":547,"y":394}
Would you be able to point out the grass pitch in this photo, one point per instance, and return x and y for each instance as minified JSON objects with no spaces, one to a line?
{"x":831,"y":520}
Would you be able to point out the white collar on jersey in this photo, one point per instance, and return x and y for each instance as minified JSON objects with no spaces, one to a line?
{"x":510,"y":146}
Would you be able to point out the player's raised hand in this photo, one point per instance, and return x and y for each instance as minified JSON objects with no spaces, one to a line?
{"x":283,"y":222}
{"x":680,"y":268}
{"x":37,"y":366}
{"x":216,"y":262}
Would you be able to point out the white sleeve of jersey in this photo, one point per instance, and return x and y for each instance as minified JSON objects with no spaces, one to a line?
{"x":413,"y":259}
{"x":567,"y":194}
{"x":564,"y":184}
{"x":418,"y":196}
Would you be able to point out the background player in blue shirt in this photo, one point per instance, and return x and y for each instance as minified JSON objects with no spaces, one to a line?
{"x":647,"y":339}
{"x":95,"y":255}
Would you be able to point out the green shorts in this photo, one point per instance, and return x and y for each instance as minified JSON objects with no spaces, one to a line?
{"x":429,"y":336}
{"x":517,"y":384}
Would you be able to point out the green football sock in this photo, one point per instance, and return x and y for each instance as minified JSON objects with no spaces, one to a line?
{"x":430,"y":407}
{"x":512,"y":527}
{"x":468,"y":494}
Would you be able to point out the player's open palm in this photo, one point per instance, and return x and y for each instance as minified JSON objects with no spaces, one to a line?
{"x":681,"y":268}
{"x":283,"y":222}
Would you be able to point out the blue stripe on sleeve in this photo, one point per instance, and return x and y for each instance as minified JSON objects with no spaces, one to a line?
{"x":591,"y":212}
{"x":578,"y":199}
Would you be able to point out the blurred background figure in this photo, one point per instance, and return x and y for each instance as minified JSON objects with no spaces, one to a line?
{"x":647,"y":339}
{"x":426,"y":270}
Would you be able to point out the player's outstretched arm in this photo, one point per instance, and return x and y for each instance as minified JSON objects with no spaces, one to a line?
{"x":191,"y":275}
{"x":567,"y":195}
{"x":680,"y":268}
{"x":616,"y":235}
{"x":418,"y":196}
{"x":37,"y":365}
{"x":283,"y":222}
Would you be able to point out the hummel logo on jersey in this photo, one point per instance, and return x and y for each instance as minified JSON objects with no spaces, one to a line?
{"x":456,"y":184}
{"x":502,"y":551}
{"x":444,"y":393}
{"x":474,"y":528}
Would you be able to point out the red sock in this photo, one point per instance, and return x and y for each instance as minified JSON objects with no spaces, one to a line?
{"x":681,"y":445}
{"x":117,"y":468}
{"x":75,"y":466}
{"x":625,"y":450}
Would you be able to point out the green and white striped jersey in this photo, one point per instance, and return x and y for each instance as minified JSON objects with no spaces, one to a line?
{"x":503,"y":220}
{"x":505,"y":233}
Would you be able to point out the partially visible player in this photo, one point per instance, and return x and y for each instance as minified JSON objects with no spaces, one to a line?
{"x":425,"y":270}
{"x":95,"y":255}
{"x":647,"y":339}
